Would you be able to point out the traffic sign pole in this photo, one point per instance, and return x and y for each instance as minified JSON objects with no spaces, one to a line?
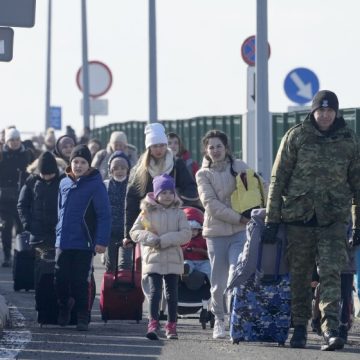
{"x":248,"y":121}
{"x":48,"y":69}
{"x":262,"y":117}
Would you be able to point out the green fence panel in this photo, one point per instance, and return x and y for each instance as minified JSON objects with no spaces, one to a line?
{"x":192,"y":130}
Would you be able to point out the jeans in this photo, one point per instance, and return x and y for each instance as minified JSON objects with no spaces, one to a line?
{"x":358,"y":271}
{"x":124,"y":256}
{"x":171,"y":288}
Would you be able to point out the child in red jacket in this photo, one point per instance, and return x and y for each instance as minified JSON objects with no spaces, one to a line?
{"x":195,"y":251}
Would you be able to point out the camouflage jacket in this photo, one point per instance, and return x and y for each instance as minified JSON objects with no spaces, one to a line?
{"x":315,"y":174}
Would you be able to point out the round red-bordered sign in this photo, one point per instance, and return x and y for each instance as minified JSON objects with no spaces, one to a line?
{"x":248,"y":50}
{"x":100,"y":78}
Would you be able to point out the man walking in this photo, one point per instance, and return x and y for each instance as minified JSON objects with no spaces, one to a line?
{"x":315,"y":182}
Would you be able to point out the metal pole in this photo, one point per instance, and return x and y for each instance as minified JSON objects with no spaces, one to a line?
{"x":262,"y":118}
{"x":48,"y":69}
{"x":85,"y":67}
{"x":153,"y":115}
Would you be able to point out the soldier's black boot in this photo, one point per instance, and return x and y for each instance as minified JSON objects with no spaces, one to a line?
{"x":82,"y":320}
{"x":343,"y":332}
{"x":64,"y":316}
{"x":332,"y":341}
{"x":299,"y":337}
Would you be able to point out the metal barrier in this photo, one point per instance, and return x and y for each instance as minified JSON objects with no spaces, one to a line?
{"x":192,"y":130}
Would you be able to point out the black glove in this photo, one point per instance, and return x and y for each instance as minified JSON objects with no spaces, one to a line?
{"x":247,"y":213}
{"x":269,"y":234}
{"x":355,"y":239}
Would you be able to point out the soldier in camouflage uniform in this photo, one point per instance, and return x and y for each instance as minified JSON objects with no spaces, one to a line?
{"x":315,"y":181}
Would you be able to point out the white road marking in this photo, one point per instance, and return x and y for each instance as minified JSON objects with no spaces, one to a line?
{"x":15,"y":339}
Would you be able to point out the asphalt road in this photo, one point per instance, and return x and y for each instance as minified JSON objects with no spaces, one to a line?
{"x":125,"y":339}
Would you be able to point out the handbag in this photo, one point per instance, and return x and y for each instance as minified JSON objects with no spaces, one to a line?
{"x":249,"y":192}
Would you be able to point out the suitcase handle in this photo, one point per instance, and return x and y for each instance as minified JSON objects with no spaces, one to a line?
{"x":277,"y":262}
{"x":118,"y":245}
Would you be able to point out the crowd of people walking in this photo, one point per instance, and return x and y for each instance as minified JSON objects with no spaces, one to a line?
{"x":75,"y":199}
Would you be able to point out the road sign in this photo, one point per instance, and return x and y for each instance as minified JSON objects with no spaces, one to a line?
{"x":97,"y":107}
{"x":6,"y":43}
{"x":251,"y":88}
{"x":55,"y":117}
{"x":248,"y":50}
{"x":17,"y":13}
{"x":100,"y":79}
{"x":300,"y":85}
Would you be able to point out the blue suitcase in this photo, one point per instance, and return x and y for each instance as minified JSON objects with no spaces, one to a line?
{"x":261,"y":306}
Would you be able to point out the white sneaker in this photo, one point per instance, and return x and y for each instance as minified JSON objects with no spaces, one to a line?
{"x":219,"y":329}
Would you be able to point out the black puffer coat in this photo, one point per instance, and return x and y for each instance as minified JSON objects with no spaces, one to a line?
{"x":37,"y":206}
{"x":13,"y":173}
{"x":185,"y":186}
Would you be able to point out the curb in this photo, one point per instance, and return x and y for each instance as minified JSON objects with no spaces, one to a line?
{"x":4,"y":314}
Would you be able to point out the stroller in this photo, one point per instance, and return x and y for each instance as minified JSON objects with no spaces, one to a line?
{"x":194,"y":297}
{"x":194,"y":288}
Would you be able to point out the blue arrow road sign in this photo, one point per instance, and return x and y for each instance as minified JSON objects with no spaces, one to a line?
{"x":55,"y":117}
{"x":301,"y":85}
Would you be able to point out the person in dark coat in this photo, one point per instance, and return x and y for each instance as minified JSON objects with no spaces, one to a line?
{"x":14,"y":159}
{"x":37,"y":205}
{"x":119,"y":169}
{"x":83,"y":228}
{"x":158,"y":159}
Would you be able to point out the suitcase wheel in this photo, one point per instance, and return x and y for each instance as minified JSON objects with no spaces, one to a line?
{"x":235,"y":342}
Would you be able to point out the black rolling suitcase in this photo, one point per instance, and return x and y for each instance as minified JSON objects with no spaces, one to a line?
{"x":45,"y":295}
{"x":23,"y":263}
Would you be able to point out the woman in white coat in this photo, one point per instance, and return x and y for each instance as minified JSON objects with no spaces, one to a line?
{"x":223,"y":228}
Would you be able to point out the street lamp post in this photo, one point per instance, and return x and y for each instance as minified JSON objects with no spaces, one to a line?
{"x":153,"y":114}
{"x":48,"y":69}
{"x":85,"y":67}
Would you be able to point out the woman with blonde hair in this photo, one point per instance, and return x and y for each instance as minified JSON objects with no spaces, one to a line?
{"x":157,"y":159}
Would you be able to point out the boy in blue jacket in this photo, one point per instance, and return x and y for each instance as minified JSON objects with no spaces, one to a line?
{"x":84,"y":224}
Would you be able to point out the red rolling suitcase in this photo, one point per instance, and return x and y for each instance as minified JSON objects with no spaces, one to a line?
{"x":121,"y":296}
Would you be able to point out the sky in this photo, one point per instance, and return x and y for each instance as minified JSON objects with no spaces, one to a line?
{"x":200,"y":68}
